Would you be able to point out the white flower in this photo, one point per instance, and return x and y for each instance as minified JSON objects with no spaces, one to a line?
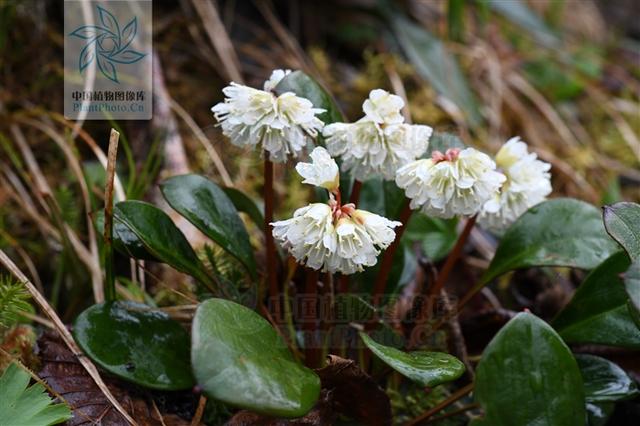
{"x":379,"y":143}
{"x":274,"y":79}
{"x":450,"y":184}
{"x":322,"y":171}
{"x":335,"y":238}
{"x":528,"y":183}
{"x":283,"y":124}
{"x":383,"y":108}
{"x":309,"y":236}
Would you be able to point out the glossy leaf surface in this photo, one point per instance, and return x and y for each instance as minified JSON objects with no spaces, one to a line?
{"x":136,"y":343}
{"x":160,"y":236}
{"x":426,"y":368}
{"x":125,"y":241}
{"x":622,"y":221}
{"x":603,"y":380}
{"x":239,"y":359}
{"x":204,"y":204}
{"x":598,"y":311}
{"x":245,"y":204}
{"x":528,"y":376}
{"x":558,"y":232}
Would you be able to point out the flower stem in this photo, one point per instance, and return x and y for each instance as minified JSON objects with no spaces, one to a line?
{"x":355,"y":192}
{"x":453,"y":257}
{"x":448,"y":266}
{"x":110,"y":284}
{"x":272,"y":281}
{"x":309,"y":319}
{"x":387,"y":258}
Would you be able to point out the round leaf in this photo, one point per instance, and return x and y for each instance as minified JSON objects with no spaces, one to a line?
{"x":603,"y":380}
{"x":205,"y":205}
{"x":239,"y":359}
{"x":136,"y":343}
{"x":160,"y":236}
{"x":559,"y":232}
{"x":598,"y":312}
{"x":425,"y":368}
{"x":528,"y":376}
{"x":622,"y":221}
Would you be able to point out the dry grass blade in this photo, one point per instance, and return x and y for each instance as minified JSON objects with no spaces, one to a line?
{"x":100,"y":155}
{"x":64,"y":333}
{"x":214,"y":27}
{"x":204,"y":141}
{"x":92,"y":260}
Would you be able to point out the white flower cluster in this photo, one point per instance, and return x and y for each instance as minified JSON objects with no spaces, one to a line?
{"x":332,"y":237}
{"x":283,"y":124}
{"x":335,"y":237}
{"x":458,"y":182}
{"x":528,"y":183}
{"x":380,"y":142}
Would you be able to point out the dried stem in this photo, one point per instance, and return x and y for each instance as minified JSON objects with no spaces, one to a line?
{"x":387,"y":259}
{"x":197,"y":417}
{"x":441,"y":406}
{"x":270,"y":246}
{"x":110,"y":286}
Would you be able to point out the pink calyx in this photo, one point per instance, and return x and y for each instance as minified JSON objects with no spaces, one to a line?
{"x":450,"y":155}
{"x":339,"y":211}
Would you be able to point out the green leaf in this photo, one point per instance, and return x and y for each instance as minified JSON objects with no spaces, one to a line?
{"x":306,"y":87}
{"x":136,"y":343}
{"x":436,"y":65}
{"x":14,"y":300}
{"x":125,"y":241}
{"x":161,"y":237}
{"x":425,"y":368}
{"x":204,"y":204}
{"x":350,"y":307}
{"x":527,"y":376}
{"x":239,"y":359}
{"x":441,"y":141}
{"x":27,"y":406}
{"x":245,"y":204}
{"x":622,"y":221}
{"x":632,"y":284}
{"x":519,"y":13}
{"x":604,"y":381}
{"x":558,"y":232}
{"x":436,"y":236}
{"x":598,"y":311}
{"x":598,"y":414}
